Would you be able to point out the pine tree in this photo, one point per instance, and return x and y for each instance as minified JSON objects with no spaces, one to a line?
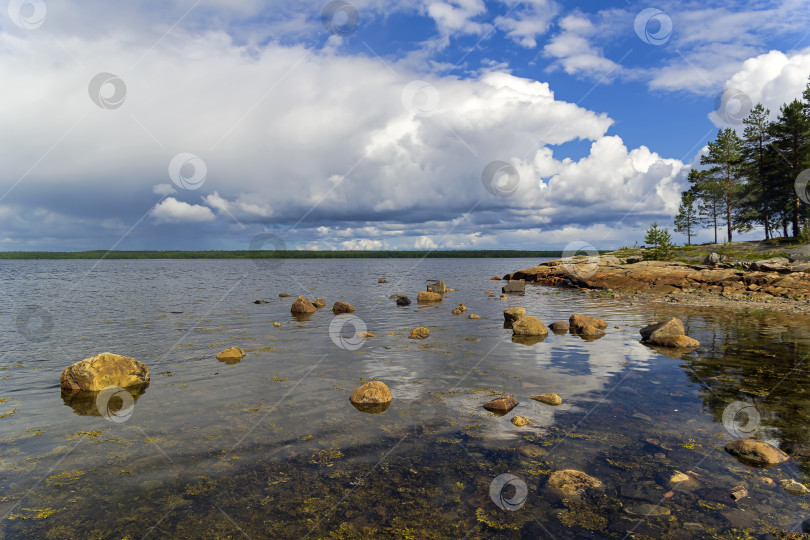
{"x":791,"y":139}
{"x":759,"y":198}
{"x":687,"y":218}
{"x":707,"y":191}
{"x":725,"y":158}
{"x":659,"y":242}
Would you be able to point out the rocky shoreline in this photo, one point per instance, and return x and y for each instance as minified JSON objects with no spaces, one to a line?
{"x":775,"y":284}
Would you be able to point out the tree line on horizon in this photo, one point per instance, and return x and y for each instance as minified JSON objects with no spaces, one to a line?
{"x":751,"y":181}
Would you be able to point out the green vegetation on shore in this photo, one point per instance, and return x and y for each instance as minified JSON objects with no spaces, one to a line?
{"x":271,"y":254}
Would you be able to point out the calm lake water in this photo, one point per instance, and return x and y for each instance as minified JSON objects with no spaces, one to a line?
{"x":270,"y":447}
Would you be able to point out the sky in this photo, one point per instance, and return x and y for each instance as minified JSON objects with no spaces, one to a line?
{"x":404,"y":124}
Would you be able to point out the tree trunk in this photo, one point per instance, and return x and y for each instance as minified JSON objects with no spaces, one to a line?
{"x":784,"y":228}
{"x":795,"y":223}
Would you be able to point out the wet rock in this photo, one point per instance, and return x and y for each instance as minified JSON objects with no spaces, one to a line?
{"x":403,"y":301}
{"x":283,"y":295}
{"x":420,"y":333}
{"x":572,"y":483}
{"x":514,"y":286}
{"x":319,"y":303}
{"x":521,"y":421}
{"x":559,"y":327}
{"x":372,"y":397}
{"x":588,"y":331}
{"x":457,"y":311}
{"x":512,"y":314}
{"x":501,"y":405}
{"x":503,"y":297}
{"x":427,"y":296}
{"x":462,"y":307}
{"x":793,"y":487}
{"x":766,"y":482}
{"x":232,"y":353}
{"x":647,"y":510}
{"x":676,"y":342}
{"x":529,"y":326}
{"x":740,"y":519}
{"x":277,"y":324}
{"x":738,"y":493}
{"x":576,"y":322}
{"x":494,"y":278}
{"x":641,"y":491}
{"x":548,"y":399}
{"x":104,"y":370}
{"x":382,"y":280}
{"x":301,"y":306}
{"x":365,"y":335}
{"x":682,"y":482}
{"x":756,"y":453}
{"x":261,"y":301}
{"x":806,"y":525}
{"x":342,"y":307}
{"x":438,"y":287}
{"x":490,"y":293}
{"x":474,"y":316}
{"x":670,"y":327}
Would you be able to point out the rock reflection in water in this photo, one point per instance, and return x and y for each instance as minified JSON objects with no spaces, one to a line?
{"x":111,"y":400}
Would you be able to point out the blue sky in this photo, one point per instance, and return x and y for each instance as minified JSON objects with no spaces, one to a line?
{"x":369,"y":124}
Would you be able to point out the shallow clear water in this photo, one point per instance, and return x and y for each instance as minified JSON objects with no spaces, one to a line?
{"x":270,"y":447}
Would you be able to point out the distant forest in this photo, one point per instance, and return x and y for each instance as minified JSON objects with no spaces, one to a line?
{"x":759,"y":180}
{"x":271,"y":254}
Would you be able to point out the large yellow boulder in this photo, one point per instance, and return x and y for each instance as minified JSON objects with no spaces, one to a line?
{"x":104,"y":370}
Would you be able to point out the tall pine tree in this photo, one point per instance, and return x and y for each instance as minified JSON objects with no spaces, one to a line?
{"x":725,"y":160}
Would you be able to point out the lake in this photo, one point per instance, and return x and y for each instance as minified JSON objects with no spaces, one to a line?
{"x":270,"y":446}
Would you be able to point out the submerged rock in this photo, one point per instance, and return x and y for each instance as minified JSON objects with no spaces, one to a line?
{"x":495,"y":278}
{"x":548,"y":399}
{"x":232,"y":353}
{"x":427,"y":296}
{"x":676,"y":342}
{"x":474,"y":316}
{"x":756,"y":453}
{"x":343,"y":307}
{"x":403,"y":300}
{"x":512,"y":314}
{"x":277,"y":324}
{"x":302,"y":305}
{"x":457,"y":311}
{"x":529,"y":326}
{"x":501,"y":405}
{"x":794,"y":488}
{"x":521,"y":421}
{"x":372,"y":397}
{"x":283,"y":295}
{"x":572,"y":483}
{"x":462,"y":307}
{"x":420,"y":333}
{"x":104,"y":370}
{"x":647,"y":510}
{"x":261,"y":301}
{"x":533,"y":451}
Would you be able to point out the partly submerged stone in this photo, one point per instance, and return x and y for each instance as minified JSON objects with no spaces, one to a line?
{"x":231,"y":353}
{"x":474,"y":316}
{"x":559,"y":327}
{"x":104,"y":370}
{"x":302,"y":305}
{"x":512,"y":314}
{"x":501,"y":405}
{"x":793,"y":487}
{"x":756,"y":453}
{"x":577,"y":322}
{"x":548,"y":399}
{"x":438,"y":287}
{"x":521,"y":421}
{"x":403,"y":300}
{"x":372,"y":397}
{"x":420,"y":333}
{"x":529,"y":326}
{"x":426,"y":296}
{"x":676,"y":342}
{"x":670,"y":327}
{"x":319,"y":303}
{"x":342,"y":307}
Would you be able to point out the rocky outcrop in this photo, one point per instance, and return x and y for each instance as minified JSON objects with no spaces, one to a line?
{"x":757,"y":453}
{"x":302,"y":306}
{"x":102,"y":371}
{"x":529,"y":326}
{"x":758,"y":280}
{"x":342,"y":307}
